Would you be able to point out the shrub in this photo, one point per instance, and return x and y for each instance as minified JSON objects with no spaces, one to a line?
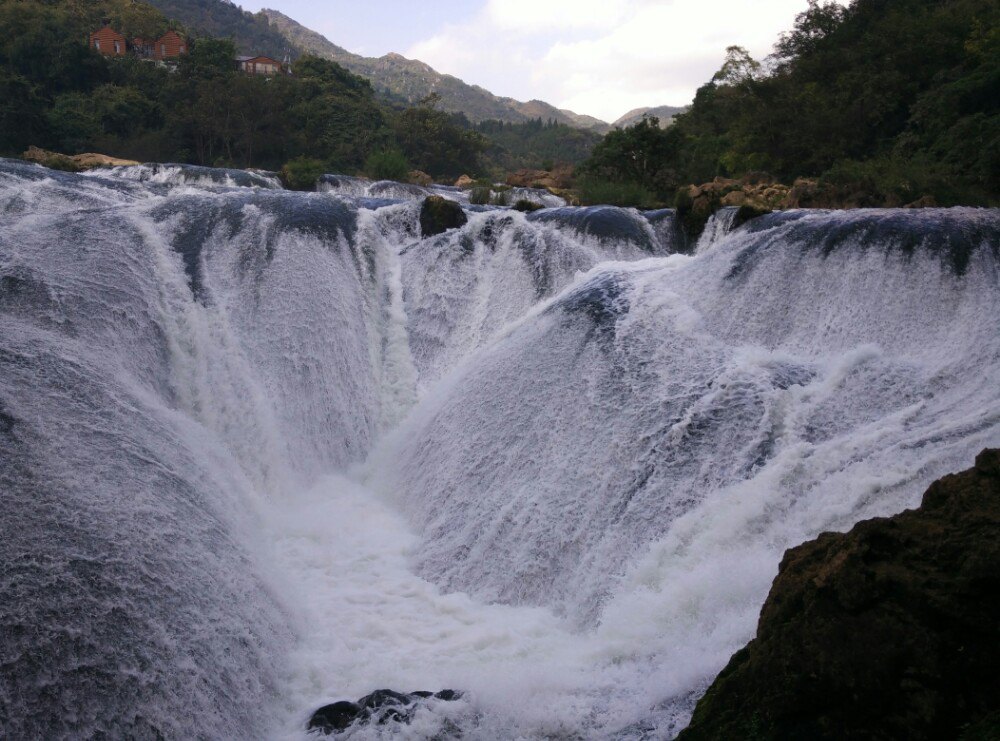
{"x":480,"y":195}
{"x":501,"y":197}
{"x":389,"y":164}
{"x":595,"y":192}
{"x":302,"y":173}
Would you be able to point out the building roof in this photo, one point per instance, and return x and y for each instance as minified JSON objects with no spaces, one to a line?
{"x":105,"y":32}
{"x":256,"y":57}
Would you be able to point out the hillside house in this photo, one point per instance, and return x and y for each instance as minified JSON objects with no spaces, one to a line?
{"x":259,"y":65}
{"x":169,"y":46}
{"x":109,"y":42}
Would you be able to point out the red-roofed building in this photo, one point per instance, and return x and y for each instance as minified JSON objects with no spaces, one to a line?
{"x":169,"y":46}
{"x":259,"y":65}
{"x":108,"y":42}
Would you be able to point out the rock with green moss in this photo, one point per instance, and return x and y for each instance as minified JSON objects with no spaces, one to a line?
{"x":438,"y":215}
{"x":302,"y":173}
{"x":748,"y":211}
{"x":889,"y":631}
{"x":51,"y":160}
{"x":527,"y":206}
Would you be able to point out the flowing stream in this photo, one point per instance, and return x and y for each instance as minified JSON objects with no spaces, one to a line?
{"x":263,"y":450}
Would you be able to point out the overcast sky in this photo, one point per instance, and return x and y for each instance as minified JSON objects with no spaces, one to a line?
{"x":601,"y":57}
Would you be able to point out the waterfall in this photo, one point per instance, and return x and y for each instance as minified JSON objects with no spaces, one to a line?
{"x":262,"y":450}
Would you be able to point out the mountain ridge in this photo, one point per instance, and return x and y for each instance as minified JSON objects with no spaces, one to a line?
{"x":411,"y":80}
{"x":665,"y":113}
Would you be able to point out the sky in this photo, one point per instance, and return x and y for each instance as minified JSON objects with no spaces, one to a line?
{"x":599,"y":57}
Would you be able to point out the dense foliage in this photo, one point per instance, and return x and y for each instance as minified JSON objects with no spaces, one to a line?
{"x":898,"y":97}
{"x":535,"y":143}
{"x":58,"y":94}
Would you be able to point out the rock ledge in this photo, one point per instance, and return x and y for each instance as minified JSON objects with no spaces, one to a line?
{"x":889,"y":631}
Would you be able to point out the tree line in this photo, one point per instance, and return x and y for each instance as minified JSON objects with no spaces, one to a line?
{"x":899,"y":98}
{"x":59,"y":94}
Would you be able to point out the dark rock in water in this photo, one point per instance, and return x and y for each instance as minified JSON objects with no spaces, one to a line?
{"x":747,"y":212}
{"x":438,"y":215}
{"x":383,"y":699}
{"x":889,"y":631}
{"x":527,"y":206}
{"x":335,"y":717}
{"x":379,"y":708}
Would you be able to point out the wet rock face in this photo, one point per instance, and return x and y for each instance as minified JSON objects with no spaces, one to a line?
{"x":379,"y":708}
{"x":889,"y":631}
{"x":438,"y":215}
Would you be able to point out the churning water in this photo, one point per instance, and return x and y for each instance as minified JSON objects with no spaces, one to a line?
{"x":263,"y":450}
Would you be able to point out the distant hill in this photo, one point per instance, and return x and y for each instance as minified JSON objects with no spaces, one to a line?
{"x":410,"y":80}
{"x":665,"y":113}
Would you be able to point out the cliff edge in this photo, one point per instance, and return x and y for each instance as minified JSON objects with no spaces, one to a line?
{"x":889,"y":631}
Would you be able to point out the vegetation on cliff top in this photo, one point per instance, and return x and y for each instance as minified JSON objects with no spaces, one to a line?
{"x":894,"y":98}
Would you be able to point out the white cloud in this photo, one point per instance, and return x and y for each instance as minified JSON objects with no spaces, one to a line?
{"x":541,"y":16}
{"x":604,"y":57}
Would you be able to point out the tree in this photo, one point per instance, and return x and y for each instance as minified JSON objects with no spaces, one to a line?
{"x":209,"y":59}
{"x":642,"y":154}
{"x":739,"y":69}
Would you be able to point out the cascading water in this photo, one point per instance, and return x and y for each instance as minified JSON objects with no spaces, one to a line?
{"x":263,"y":450}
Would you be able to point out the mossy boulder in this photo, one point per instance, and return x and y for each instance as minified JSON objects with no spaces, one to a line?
{"x":527,"y":206}
{"x":889,"y":631}
{"x":438,"y":215}
{"x":749,"y":211}
{"x":51,"y":160}
{"x":302,"y":173}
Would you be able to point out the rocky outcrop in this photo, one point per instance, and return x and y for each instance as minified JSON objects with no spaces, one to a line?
{"x":559,"y":178}
{"x":73,"y":163}
{"x":465,"y":182}
{"x":419,"y":177}
{"x":438,"y":215}
{"x":889,"y":631}
{"x":755,"y":194}
{"x":379,"y":708}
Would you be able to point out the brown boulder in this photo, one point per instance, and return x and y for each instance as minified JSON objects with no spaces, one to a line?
{"x":734,"y":198}
{"x":74,"y":163}
{"x":465,"y":182}
{"x":418,"y":177}
{"x":52,"y":160}
{"x":91,"y":160}
{"x":525,"y":178}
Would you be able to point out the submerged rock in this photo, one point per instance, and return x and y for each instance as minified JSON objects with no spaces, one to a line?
{"x":438,"y":215}
{"x":889,"y":631}
{"x":337,"y":716}
{"x":527,"y":206}
{"x":378,"y":708}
